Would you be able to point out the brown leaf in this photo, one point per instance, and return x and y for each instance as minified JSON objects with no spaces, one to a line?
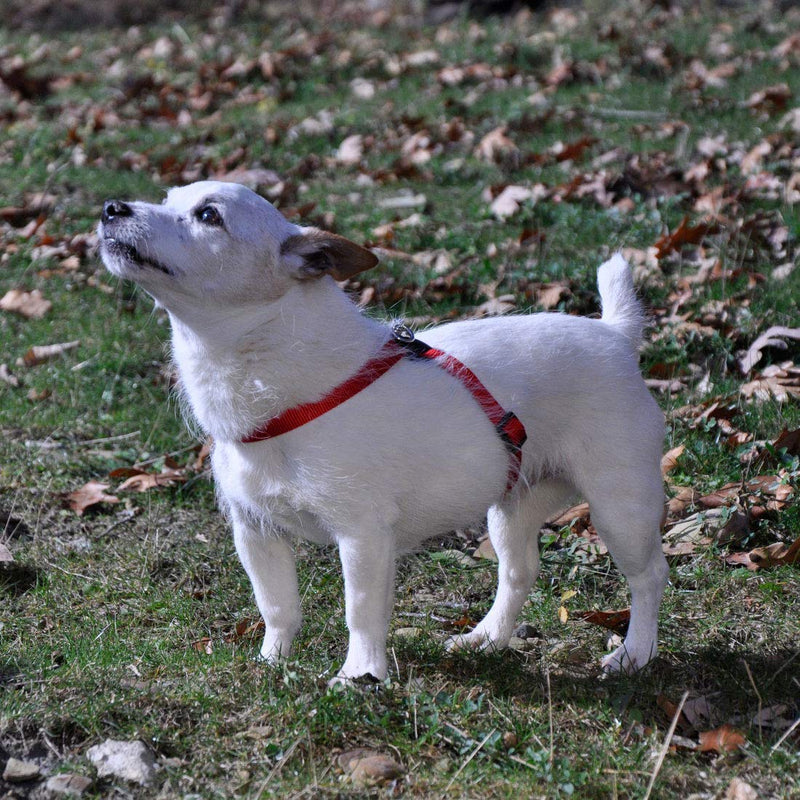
{"x":699,"y":710}
{"x":369,"y":767}
{"x":788,"y":440}
{"x":670,"y":710}
{"x":616,"y":621}
{"x":199,"y":464}
{"x":670,"y":459}
{"x":38,"y":354}
{"x":32,"y":305}
{"x":771,"y":99}
{"x":572,"y":151}
{"x":142,"y":481}
{"x":496,"y":148}
{"x":5,"y":555}
{"x":549,"y":295}
{"x":485,"y":550}
{"x":778,"y":381}
{"x":351,"y":150}
{"x":772,"y":337}
{"x":740,"y":790}
{"x":204,"y":645}
{"x":89,"y":495}
{"x":246,"y":628}
{"x":721,"y":740}
{"x":509,"y":201}
{"x":7,"y":376}
{"x":682,"y":235}
{"x":579,"y":512}
{"x":774,"y":555}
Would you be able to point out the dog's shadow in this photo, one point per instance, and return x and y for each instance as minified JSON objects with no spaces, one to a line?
{"x":742,"y":687}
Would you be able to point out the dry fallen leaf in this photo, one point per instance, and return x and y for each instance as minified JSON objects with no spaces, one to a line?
{"x":721,"y":740}
{"x":38,"y":354}
{"x":204,"y":645}
{"x":740,"y":790}
{"x":144,"y":481}
{"x":683,"y":234}
{"x":5,"y":555}
{"x":509,"y":201}
{"x":670,"y":459}
{"x":485,"y":550}
{"x":7,"y":376}
{"x":778,"y":381}
{"x":579,"y":512}
{"x":616,"y":621}
{"x":368,"y":766}
{"x":497,"y":148}
{"x":772,"y":337}
{"x":351,"y":150}
{"x":771,"y":99}
{"x":32,"y":305}
{"x":774,"y":555}
{"x":89,"y":495}
{"x":246,"y":628}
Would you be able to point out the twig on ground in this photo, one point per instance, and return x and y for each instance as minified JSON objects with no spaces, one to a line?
{"x":469,"y":758}
{"x":550,"y":717}
{"x":665,"y":747}
{"x":785,"y":736}
{"x":278,"y":767}
{"x":755,"y":689}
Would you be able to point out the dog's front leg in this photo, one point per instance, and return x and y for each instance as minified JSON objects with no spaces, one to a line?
{"x":368,"y":566}
{"x":269,"y":562}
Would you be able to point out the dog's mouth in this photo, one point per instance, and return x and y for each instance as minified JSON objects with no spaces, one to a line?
{"x":127,"y":252}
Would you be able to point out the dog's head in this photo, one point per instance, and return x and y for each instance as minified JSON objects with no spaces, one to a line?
{"x":213,"y":243}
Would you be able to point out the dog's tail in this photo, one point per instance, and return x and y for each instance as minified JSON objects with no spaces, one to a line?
{"x":621,"y":306}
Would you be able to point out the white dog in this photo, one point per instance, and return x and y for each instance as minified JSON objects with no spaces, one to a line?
{"x":263,"y":336}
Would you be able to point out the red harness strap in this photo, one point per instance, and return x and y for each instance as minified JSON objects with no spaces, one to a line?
{"x":509,"y":428}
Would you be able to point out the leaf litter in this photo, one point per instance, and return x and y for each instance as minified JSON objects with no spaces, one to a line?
{"x":717,"y":185}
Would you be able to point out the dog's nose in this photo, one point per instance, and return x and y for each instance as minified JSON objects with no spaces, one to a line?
{"x":113,"y":209}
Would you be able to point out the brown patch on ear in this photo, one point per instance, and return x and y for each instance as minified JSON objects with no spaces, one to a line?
{"x":326,"y":253}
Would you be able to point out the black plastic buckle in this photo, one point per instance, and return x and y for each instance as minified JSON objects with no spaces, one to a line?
{"x":404,"y":336}
{"x":511,"y":431}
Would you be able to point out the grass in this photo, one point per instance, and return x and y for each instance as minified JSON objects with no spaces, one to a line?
{"x":122,"y":623}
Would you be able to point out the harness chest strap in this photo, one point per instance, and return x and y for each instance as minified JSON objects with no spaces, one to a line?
{"x":404,"y":344}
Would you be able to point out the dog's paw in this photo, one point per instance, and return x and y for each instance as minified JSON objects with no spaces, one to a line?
{"x":275,"y":649}
{"x":623,"y":662}
{"x":368,"y":681}
{"x":476,"y":640}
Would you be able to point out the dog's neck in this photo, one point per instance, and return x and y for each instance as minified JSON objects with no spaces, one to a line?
{"x":238,"y":371}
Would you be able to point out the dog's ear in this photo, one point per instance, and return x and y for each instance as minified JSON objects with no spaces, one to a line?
{"x":314,"y":253}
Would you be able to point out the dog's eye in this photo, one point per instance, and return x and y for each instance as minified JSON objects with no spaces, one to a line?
{"x":209,"y":215}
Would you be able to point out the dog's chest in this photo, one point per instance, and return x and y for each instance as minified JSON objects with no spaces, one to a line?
{"x":265,"y":489}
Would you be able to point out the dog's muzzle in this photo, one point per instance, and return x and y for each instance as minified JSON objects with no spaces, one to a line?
{"x":114,"y":210}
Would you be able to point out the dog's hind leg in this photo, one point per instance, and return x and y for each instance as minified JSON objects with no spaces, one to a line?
{"x":269,"y":562}
{"x":368,"y":566}
{"x":627,"y":508}
{"x":513,"y":531}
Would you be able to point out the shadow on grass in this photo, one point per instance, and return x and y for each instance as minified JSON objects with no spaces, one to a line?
{"x":16,"y":579}
{"x":738,"y":684}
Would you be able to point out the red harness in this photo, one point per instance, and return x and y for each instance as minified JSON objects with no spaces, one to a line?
{"x":510,"y":430}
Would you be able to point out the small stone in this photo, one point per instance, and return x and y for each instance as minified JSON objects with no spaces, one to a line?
{"x":131,"y":761}
{"x":525,"y":631}
{"x":67,"y":785}
{"x":485,"y":550}
{"x":18,"y":771}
